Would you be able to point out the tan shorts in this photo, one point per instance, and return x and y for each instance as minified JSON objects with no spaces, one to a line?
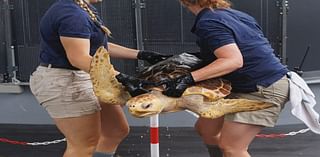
{"x":64,"y":93}
{"x":276,"y":94}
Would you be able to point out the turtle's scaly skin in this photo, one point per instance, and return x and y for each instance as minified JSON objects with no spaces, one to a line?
{"x":212,"y":89}
{"x":213,"y":106}
{"x":106,"y":87}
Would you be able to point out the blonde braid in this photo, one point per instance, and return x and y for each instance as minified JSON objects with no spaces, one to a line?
{"x":208,"y":3}
{"x":93,"y":16}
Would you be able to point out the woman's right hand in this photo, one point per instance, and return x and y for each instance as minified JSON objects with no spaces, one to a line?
{"x":152,"y":57}
{"x":135,"y":86}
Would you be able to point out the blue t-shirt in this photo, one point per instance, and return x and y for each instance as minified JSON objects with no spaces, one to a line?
{"x":219,"y":27}
{"x":66,"y":18}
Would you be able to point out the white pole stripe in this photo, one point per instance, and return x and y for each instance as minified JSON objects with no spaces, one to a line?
{"x":154,"y":136}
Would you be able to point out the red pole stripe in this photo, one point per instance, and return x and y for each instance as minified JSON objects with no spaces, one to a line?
{"x":12,"y":142}
{"x":154,"y":135}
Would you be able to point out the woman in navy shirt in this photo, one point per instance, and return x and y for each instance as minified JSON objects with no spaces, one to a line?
{"x":233,"y":46}
{"x":71,"y":32}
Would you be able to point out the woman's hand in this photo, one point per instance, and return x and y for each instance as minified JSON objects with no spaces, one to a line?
{"x":135,"y":86}
{"x":176,"y":87}
{"x":152,"y":57}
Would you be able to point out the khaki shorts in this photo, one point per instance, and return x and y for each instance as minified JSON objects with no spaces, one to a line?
{"x":276,"y":94}
{"x":64,"y":93}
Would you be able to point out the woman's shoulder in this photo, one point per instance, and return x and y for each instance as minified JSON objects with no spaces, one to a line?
{"x":66,"y":8}
{"x":212,"y":18}
{"x":65,"y":12}
{"x":216,"y":15}
{"x":225,"y":16}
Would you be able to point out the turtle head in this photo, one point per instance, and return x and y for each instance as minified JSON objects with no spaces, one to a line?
{"x":149,"y":104}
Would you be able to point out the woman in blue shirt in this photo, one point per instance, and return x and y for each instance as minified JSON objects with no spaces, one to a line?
{"x":71,"y":32}
{"x":233,"y":46}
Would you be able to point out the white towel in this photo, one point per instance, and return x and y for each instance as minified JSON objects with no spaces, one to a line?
{"x":302,"y":102}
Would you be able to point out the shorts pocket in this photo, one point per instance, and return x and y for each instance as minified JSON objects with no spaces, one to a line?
{"x":266,"y":92}
{"x":47,"y":87}
{"x":80,"y":89}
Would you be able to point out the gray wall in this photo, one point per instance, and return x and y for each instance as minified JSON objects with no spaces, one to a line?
{"x":2,"y":44}
{"x":303,"y":30}
{"x":23,"y":109}
{"x":26,"y":16}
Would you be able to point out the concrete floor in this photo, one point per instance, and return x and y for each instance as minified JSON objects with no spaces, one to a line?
{"x":174,"y":142}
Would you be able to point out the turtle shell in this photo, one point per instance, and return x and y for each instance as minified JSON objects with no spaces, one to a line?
{"x":181,"y":64}
{"x":172,"y":67}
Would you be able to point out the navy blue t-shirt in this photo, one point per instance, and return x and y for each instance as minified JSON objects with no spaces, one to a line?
{"x":66,"y":18}
{"x":219,"y":27}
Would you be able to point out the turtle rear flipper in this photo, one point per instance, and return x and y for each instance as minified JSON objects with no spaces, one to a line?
{"x":106,"y":87}
{"x":226,"y":106}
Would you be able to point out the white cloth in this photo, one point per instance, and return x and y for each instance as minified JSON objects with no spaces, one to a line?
{"x":302,"y":102}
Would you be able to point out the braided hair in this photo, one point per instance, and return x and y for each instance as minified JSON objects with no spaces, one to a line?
{"x":93,"y":16}
{"x":208,"y":3}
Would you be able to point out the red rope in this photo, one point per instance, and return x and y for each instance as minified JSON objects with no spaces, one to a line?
{"x":12,"y":142}
{"x":271,"y":135}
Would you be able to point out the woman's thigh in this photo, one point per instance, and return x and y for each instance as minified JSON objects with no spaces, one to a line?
{"x":237,"y":136}
{"x":81,"y":131}
{"x":209,"y":129}
{"x":212,"y":126}
{"x":113,"y":119}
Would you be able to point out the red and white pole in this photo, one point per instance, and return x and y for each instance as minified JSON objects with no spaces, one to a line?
{"x":154,"y":136}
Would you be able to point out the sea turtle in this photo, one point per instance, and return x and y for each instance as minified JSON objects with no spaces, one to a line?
{"x":206,"y":98}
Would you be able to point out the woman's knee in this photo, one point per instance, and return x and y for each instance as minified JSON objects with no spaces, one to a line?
{"x":82,"y":133}
{"x":232,"y":150}
{"x":122,"y":131}
{"x":203,"y":131}
{"x":85,"y":147}
{"x":208,"y":130}
{"x":89,"y":141}
{"x":114,"y":122}
{"x":118,"y":132}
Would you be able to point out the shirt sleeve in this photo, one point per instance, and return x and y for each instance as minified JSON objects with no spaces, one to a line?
{"x":74,"y":25}
{"x":215,"y":33}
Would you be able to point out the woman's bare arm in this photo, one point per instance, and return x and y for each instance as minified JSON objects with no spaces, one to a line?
{"x":118,"y":51}
{"x":78,"y":52}
{"x":229,"y":59}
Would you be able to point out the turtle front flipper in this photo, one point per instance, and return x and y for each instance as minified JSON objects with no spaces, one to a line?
{"x":222,"y":107}
{"x":106,"y":87}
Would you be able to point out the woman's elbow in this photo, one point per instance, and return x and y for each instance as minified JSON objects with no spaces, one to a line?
{"x":73,"y":60}
{"x":238,"y":64}
{"x":74,"y":63}
{"x":80,"y":61}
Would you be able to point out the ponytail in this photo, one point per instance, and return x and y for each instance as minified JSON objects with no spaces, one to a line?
{"x":93,"y":16}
